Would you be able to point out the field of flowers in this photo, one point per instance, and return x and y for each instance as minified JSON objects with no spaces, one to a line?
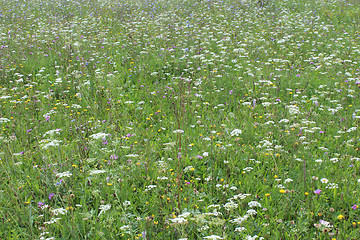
{"x":181,"y":119}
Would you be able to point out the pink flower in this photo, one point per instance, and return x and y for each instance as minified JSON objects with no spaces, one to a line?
{"x":317,"y":191}
{"x":354,"y":207}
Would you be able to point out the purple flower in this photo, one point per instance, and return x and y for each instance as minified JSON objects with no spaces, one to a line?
{"x":114,"y":157}
{"x":47,"y":118}
{"x":51,"y":195}
{"x":29,"y":130}
{"x":354,"y":207}
{"x":201,"y":157}
{"x":321,"y":132}
{"x":58,"y":183}
{"x":317,"y":191}
{"x":40,"y":204}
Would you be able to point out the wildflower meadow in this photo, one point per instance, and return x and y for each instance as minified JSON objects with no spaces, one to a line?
{"x":179,"y":119}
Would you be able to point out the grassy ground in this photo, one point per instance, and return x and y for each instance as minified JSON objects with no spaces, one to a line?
{"x":179,"y":119}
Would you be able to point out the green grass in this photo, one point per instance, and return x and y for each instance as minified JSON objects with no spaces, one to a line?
{"x":179,"y":119}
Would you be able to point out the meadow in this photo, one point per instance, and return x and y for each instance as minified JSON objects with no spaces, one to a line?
{"x":182,"y":119}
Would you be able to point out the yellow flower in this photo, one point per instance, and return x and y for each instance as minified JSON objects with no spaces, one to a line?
{"x":267,"y":194}
{"x":340,"y":217}
{"x":306,"y":193}
{"x":282,"y":191}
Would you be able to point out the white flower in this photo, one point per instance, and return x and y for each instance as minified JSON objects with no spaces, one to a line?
{"x":251,"y":212}
{"x":332,"y":186}
{"x":92,"y":172}
{"x":178,"y":131}
{"x":205,"y":154}
{"x":248,"y":169}
{"x":213,"y":206}
{"x":52,"y":132}
{"x":170,"y":144}
{"x":53,"y":220}
{"x":293,"y":109}
{"x":99,"y":135}
{"x":125,"y":228}
{"x":288,"y":180}
{"x":240,"y":229}
{"x":59,"y":211}
{"x":5,"y":97}
{"x":76,"y":106}
{"x":104,"y":208}
{"x":254,"y":204}
{"x":284,"y":120}
{"x":188,"y":168}
{"x":236,"y":132}
{"x":230,"y":206}
{"x":241,"y":196}
{"x":325,"y":223}
{"x":2,"y":120}
{"x":185,"y":215}
{"x":213,"y":237}
{"x":239,"y":220}
{"x":127,"y":203}
{"x":324,"y":180}
{"x":351,"y":129}
{"x":248,"y":237}
{"x":178,"y":220}
{"x":64,"y":174}
{"x":48,"y":143}
{"x":131,"y":155}
{"x":147,"y":188}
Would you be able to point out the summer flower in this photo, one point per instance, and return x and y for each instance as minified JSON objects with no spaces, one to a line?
{"x":324,"y":180}
{"x":317,"y":191}
{"x":213,"y":237}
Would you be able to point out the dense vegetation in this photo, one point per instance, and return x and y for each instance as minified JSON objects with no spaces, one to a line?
{"x":196,"y":119}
